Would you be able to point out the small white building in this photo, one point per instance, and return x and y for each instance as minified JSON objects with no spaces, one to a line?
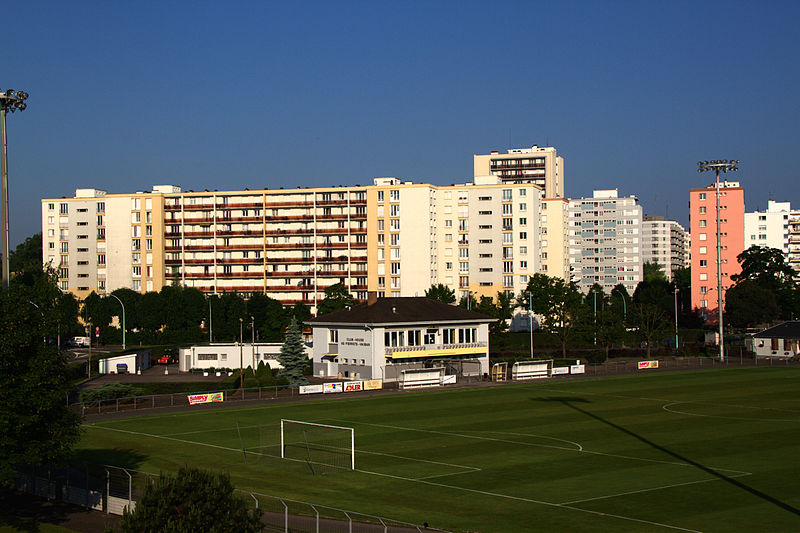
{"x":131,"y":363}
{"x":231,"y":355}
{"x":782,"y":340}
{"x":376,"y":339}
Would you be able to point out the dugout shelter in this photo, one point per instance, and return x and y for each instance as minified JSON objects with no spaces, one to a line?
{"x":382,"y":336}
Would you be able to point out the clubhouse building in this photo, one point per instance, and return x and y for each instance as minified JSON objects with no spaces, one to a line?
{"x":382,"y":337}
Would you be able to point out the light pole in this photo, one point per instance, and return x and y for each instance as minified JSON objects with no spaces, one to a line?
{"x":241,"y":363}
{"x":676,"y":319}
{"x":253,"y":342}
{"x":718,"y":165}
{"x":209,"y":320}
{"x":624,"y":305}
{"x":530,"y":317}
{"x":9,"y":101}
{"x":123,"y":319}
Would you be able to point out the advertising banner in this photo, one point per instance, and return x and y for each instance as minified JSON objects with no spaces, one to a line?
{"x":648,"y":364}
{"x":577,"y":369}
{"x":373,"y":384}
{"x":560,"y":370}
{"x":353,"y":386}
{"x":204,"y":398}
{"x":310,"y":389}
{"x":331,"y":387}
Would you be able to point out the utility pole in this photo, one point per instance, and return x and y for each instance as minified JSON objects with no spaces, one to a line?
{"x":9,"y":101}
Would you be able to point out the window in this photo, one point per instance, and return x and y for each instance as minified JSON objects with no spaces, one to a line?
{"x":333,"y":336}
{"x":394,"y":196}
{"x":380,"y":196}
{"x":703,"y":262}
{"x":394,"y":211}
{"x":702,"y":223}
{"x":702,"y":196}
{"x":64,"y":208}
{"x":703,"y":237}
{"x":137,"y":272}
{"x":702,"y":210}
{"x":395,"y":268}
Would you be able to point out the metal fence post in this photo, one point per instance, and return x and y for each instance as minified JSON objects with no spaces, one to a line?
{"x":317,"y":519}
{"x":285,"y":516}
{"x":108,"y":488}
{"x":349,"y":522}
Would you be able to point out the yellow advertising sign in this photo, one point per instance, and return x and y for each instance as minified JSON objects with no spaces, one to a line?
{"x":373,"y":384}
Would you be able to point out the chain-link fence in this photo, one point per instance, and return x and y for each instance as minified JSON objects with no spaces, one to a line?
{"x":112,"y":489}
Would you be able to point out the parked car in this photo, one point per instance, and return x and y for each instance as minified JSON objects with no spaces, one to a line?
{"x":79,"y":341}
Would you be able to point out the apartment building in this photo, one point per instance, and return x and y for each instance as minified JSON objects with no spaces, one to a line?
{"x":702,"y":227}
{"x":605,"y":241}
{"x":769,"y":228}
{"x":393,"y":237}
{"x":541,"y":166}
{"x":794,"y":240}
{"x":664,"y":243}
{"x":554,"y":241}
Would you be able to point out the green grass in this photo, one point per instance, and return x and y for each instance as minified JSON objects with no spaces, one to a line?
{"x":697,"y":451}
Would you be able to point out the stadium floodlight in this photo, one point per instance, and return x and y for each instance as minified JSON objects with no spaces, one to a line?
{"x":10,"y":100}
{"x":318,"y":444}
{"x":724,"y":166}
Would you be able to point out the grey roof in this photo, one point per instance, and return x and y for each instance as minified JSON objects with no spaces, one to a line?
{"x":787,"y":330}
{"x":401,"y":311}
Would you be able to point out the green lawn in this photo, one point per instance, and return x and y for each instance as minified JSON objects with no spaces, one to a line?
{"x":715,"y":450}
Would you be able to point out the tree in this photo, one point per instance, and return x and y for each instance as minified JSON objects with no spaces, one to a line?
{"x":37,"y":425}
{"x":27,"y":256}
{"x":653,"y":272}
{"x":336,"y":297}
{"x":468,"y":301}
{"x":557,"y":302}
{"x":293,"y":357}
{"x":194,"y":500}
{"x":749,"y":304}
{"x":767,"y":267}
{"x":651,"y":322}
{"x":441,"y":293}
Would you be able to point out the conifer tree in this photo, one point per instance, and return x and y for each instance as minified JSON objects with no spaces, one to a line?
{"x":293,"y":356}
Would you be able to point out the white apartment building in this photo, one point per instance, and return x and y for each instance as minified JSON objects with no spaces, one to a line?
{"x":396,"y":238}
{"x":541,"y":166}
{"x":770,"y":228}
{"x":663,"y":242}
{"x":794,"y":240}
{"x":605,"y":241}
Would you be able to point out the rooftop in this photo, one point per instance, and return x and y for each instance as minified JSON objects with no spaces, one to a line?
{"x":401,"y":310}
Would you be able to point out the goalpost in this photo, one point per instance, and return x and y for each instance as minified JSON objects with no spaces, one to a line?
{"x":318,"y":444}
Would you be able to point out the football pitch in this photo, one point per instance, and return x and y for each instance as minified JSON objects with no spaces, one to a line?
{"x":711,"y":450}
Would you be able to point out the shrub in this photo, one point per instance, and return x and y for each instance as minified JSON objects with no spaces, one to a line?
{"x":110,"y":391}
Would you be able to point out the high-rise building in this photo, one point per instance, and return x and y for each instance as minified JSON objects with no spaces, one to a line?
{"x":769,"y":228}
{"x":794,"y":240}
{"x":555,"y":237}
{"x":702,"y":221}
{"x":539,"y":165}
{"x":664,"y":243}
{"x":393,"y":237}
{"x":605,"y":241}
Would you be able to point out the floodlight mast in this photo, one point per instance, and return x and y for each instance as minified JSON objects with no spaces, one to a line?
{"x":10,"y":100}
{"x":719,"y":165}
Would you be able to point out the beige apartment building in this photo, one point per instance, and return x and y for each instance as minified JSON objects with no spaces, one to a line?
{"x":541,"y":166}
{"x":664,"y":242}
{"x":393,"y":237}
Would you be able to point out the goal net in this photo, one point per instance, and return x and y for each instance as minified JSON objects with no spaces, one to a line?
{"x":321,"y":446}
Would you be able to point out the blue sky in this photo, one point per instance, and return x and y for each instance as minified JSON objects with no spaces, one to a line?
{"x":228,"y":95}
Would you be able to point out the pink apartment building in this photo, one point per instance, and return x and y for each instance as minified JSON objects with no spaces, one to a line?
{"x":703,"y":224}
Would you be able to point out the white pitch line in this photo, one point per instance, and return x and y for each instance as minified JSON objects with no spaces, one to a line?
{"x":579,"y":447}
{"x":666,"y":407}
{"x":649,"y":490}
{"x":658,"y":461}
{"x":426,"y":482}
{"x":529,"y":500}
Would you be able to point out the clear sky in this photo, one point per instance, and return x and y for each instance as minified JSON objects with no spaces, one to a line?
{"x":234,"y":95}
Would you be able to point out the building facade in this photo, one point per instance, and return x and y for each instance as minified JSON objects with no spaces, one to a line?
{"x":605,"y":241}
{"x":394,"y":237}
{"x":376,"y":338}
{"x":702,"y":223}
{"x":664,"y":243}
{"x":769,"y":228}
{"x":539,"y":165}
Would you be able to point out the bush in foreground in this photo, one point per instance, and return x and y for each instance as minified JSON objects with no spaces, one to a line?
{"x":194,"y":500}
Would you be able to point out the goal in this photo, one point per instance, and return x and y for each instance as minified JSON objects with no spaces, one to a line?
{"x":321,"y":446}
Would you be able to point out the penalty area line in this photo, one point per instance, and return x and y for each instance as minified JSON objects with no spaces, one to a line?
{"x":530,"y":500}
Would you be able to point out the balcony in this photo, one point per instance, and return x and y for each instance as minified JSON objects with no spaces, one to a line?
{"x":437,"y":350}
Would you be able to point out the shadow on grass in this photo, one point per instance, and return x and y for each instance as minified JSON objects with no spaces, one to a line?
{"x":573,"y":403}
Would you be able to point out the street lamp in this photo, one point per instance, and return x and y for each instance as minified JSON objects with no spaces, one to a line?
{"x":123,"y":318}
{"x":209,"y":320}
{"x":241,"y":362}
{"x":530,"y":317}
{"x":676,"y":319}
{"x":719,"y":165}
{"x":10,"y":100}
